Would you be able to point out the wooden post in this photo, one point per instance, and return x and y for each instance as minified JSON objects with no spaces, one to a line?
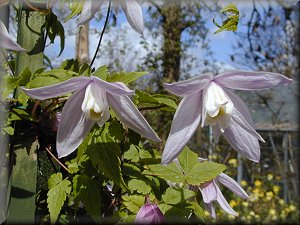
{"x":24,"y":171}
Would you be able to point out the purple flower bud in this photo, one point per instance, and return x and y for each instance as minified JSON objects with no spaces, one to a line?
{"x":149,"y":214}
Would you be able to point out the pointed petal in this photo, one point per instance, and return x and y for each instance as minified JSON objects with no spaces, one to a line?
{"x":88,"y":11}
{"x":184,"y":124}
{"x":134,"y":14}
{"x":210,"y":208}
{"x":224,"y":204}
{"x":130,"y":116}
{"x":232,"y":185}
{"x":242,"y":141}
{"x":6,"y":41}
{"x":60,"y":89}
{"x":209,"y":191}
{"x":216,"y":132}
{"x":240,"y":106}
{"x":73,"y":126}
{"x":245,"y":80}
{"x":237,"y":117}
{"x":190,"y":86}
{"x":116,"y":5}
{"x":117,"y":88}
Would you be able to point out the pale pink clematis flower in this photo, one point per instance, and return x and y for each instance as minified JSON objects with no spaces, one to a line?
{"x":132,"y":9}
{"x":149,"y":214}
{"x":211,"y":192}
{"x":208,"y":98}
{"x":6,"y":40}
{"x":89,"y":105}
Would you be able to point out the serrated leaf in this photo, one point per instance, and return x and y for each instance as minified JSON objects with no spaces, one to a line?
{"x":198,"y":211}
{"x":203,"y":172}
{"x":9,"y":130}
{"x":104,"y":154}
{"x":101,"y":72}
{"x":231,"y":23}
{"x":132,"y":154}
{"x":133,"y":202}
{"x":176,"y":196}
{"x":170,"y":172}
{"x":124,"y":77}
{"x":57,"y":194}
{"x":187,"y":159}
{"x":87,"y":190}
{"x":139,"y":185}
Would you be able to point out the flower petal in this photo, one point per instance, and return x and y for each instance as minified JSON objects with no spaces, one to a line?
{"x":209,"y":191}
{"x":240,"y":106}
{"x":242,"y":141}
{"x":73,"y":126}
{"x":6,"y":41}
{"x":190,"y":86}
{"x":117,"y":88}
{"x":60,"y":89}
{"x":130,"y":116}
{"x":185,"y":122}
{"x":134,"y":14}
{"x":232,"y":185}
{"x":245,"y":80}
{"x":237,"y":117}
{"x":216,"y":132}
{"x":116,"y":5}
{"x":88,"y":11}
{"x":210,"y":208}
{"x":224,"y":204}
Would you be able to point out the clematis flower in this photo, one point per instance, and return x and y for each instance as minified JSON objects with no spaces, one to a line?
{"x":211,"y":193}
{"x":131,"y":8}
{"x":209,"y":100}
{"x":89,"y":105}
{"x":6,"y":40}
{"x":149,"y":214}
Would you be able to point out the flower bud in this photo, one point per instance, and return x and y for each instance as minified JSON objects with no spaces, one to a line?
{"x":149,"y":214}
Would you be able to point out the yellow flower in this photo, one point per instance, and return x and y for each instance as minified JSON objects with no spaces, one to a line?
{"x":244,"y":183}
{"x":257,"y":183}
{"x":276,"y":189}
{"x":252,"y":213}
{"x":272,"y":212}
{"x":245,"y":204}
{"x":257,"y":216}
{"x":292,"y":208}
{"x":233,"y":162}
{"x":281,"y":201}
{"x":270,"y":194}
{"x":233,"y":203}
{"x":270,"y":176}
{"x":274,"y":217}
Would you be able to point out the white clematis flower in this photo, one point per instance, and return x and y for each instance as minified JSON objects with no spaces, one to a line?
{"x":6,"y":40}
{"x":89,"y":105}
{"x":207,"y":99}
{"x":131,"y":8}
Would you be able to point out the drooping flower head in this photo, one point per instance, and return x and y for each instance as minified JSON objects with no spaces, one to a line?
{"x":6,"y":40}
{"x":149,"y":214}
{"x":89,"y":105}
{"x":131,"y":8}
{"x":207,"y":99}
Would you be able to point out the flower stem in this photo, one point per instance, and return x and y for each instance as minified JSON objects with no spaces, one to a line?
{"x":102,"y":33}
{"x":56,"y":159}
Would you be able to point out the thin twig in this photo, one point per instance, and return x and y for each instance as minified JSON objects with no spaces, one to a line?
{"x":102,"y":33}
{"x":56,"y":159}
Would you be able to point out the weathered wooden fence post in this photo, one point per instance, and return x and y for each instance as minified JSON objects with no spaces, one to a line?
{"x":24,"y":168}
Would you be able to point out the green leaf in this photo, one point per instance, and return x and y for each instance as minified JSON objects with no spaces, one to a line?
{"x":9,"y":130}
{"x":187,"y":159}
{"x":75,"y":7}
{"x":198,"y":211}
{"x":101,"y":72}
{"x":139,"y":185}
{"x":231,"y":23}
{"x":124,"y":77}
{"x":132,"y":154}
{"x":57,"y":194}
{"x":167,"y":101}
{"x":203,"y":172}
{"x":104,"y":154}
{"x":176,"y":196}
{"x":87,"y":190}
{"x":133,"y":202}
{"x":170,"y":172}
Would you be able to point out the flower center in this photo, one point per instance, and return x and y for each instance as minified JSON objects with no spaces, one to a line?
{"x":218,"y":107}
{"x":94,"y":105}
